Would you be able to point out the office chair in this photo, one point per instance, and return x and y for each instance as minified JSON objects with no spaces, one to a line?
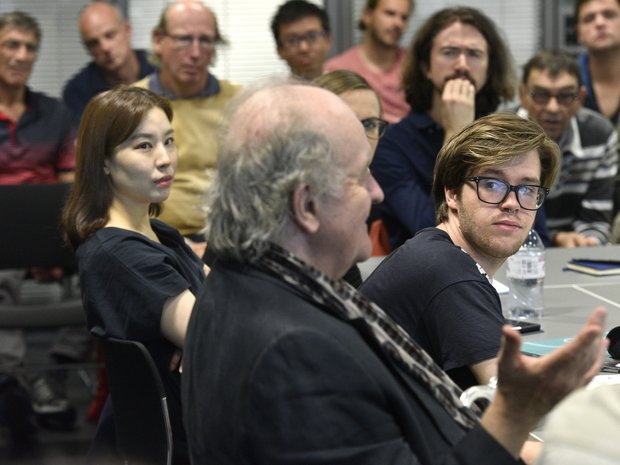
{"x":143,"y":431}
{"x":30,"y":237}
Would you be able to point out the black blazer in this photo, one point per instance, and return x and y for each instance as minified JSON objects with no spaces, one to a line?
{"x":270,"y":378}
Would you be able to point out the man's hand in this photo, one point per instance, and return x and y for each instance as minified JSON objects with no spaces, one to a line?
{"x":458,"y":105}
{"x":574,"y":239}
{"x":528,"y":387}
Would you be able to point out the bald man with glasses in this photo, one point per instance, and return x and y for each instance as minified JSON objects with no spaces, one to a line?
{"x":580,"y":203}
{"x":185,"y":42}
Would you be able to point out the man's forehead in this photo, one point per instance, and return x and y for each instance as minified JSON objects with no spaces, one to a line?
{"x":541,"y":75}
{"x":442,"y":36}
{"x":595,"y":6}
{"x":530,"y":161}
{"x":179,"y":13}
{"x":15,"y":33}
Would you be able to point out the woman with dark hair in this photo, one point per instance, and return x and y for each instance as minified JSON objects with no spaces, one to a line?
{"x":138,"y":277}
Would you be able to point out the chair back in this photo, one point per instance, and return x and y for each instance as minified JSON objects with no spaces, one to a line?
{"x":30,"y":237}
{"x":143,"y":431}
{"x":29,"y":234}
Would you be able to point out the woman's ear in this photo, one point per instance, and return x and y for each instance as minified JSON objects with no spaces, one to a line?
{"x":106,"y":169}
{"x":304,"y":209}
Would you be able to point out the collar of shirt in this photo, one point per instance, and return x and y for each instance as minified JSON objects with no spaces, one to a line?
{"x":211,"y":88}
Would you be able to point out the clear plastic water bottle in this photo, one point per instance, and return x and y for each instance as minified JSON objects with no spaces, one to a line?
{"x":526,"y":274}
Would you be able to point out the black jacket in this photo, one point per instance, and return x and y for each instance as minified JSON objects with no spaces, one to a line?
{"x":270,"y":378}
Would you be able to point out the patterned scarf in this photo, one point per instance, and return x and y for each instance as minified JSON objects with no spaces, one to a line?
{"x":346,"y":303}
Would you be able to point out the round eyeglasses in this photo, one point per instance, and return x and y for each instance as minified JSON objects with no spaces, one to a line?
{"x":542,"y":96}
{"x":311,"y":37}
{"x":494,"y":191}
{"x":374,"y":127}
{"x":181,"y":42}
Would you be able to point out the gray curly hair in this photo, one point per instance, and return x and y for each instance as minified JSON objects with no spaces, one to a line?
{"x":264,"y":156}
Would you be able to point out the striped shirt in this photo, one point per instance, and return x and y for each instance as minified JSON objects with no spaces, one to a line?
{"x":581,"y":199}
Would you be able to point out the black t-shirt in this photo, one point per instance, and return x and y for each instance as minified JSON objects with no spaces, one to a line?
{"x":125,"y":279}
{"x":441,"y":297}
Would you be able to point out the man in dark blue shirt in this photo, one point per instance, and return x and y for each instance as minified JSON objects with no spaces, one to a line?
{"x":107,"y":38}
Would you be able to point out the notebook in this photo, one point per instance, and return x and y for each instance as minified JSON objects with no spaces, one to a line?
{"x":594,"y":267}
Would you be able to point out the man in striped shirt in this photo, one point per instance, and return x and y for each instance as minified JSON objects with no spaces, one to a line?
{"x":579,"y":206}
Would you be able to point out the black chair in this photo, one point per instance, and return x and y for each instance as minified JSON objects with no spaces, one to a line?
{"x":143,"y":431}
{"x":30,"y":237}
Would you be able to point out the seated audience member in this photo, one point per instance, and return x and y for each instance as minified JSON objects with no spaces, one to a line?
{"x":284,"y":362}
{"x":583,"y":429}
{"x":580,"y":203}
{"x":36,"y":146}
{"x":303,"y":39}
{"x":489,"y":181}
{"x":448,"y":83}
{"x":365,"y":103}
{"x":184,"y":42}
{"x":379,"y":58}
{"x":597,"y":25}
{"x":106,"y":35}
{"x":138,"y":277}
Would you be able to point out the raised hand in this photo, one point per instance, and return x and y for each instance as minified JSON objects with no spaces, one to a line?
{"x":528,"y":387}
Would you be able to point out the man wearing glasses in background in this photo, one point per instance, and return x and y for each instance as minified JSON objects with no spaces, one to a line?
{"x":380,"y":58}
{"x":458,"y":69}
{"x":302,"y":34}
{"x":489,"y":182}
{"x":580,"y":204}
{"x":184,"y":41}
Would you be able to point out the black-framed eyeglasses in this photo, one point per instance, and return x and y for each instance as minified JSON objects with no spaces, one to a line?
{"x":564,"y":97}
{"x":186,"y":41}
{"x":494,"y":191}
{"x":374,"y":127}
{"x":310,"y":37}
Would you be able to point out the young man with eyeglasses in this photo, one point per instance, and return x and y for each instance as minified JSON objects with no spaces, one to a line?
{"x":106,"y":35}
{"x":302,"y":34}
{"x":184,"y":42}
{"x":380,"y":58}
{"x":579,"y":206}
{"x":489,"y":181}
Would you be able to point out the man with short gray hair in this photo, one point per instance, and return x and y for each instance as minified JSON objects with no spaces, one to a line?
{"x":36,"y":147}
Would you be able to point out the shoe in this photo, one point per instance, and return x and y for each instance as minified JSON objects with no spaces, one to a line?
{"x":51,"y":410}
{"x":16,"y":414}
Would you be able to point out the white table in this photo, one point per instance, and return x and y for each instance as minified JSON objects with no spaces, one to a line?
{"x":571,"y":296}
